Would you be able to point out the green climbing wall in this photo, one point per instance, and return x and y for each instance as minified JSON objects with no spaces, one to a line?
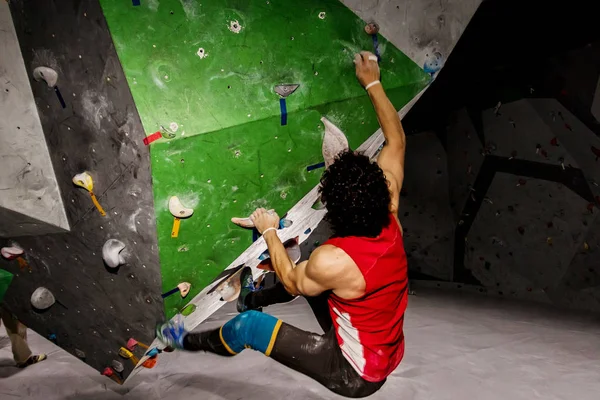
{"x":204,"y":71}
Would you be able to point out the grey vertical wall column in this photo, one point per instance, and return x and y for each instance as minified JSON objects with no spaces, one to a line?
{"x":30,"y":200}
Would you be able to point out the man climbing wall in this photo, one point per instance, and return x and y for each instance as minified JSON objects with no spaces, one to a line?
{"x":356,"y":283}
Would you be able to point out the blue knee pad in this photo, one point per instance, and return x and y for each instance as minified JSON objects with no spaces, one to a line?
{"x":251,"y":329}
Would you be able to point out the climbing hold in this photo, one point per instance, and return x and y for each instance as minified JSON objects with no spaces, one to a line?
{"x":318,"y":205}
{"x":201,"y":53}
{"x":132,"y":343}
{"x":149,"y":363}
{"x":117,"y":366}
{"x":187,"y":310}
{"x":234,"y":26}
{"x":538,"y":147}
{"x":568,"y":127}
{"x":322,"y":15}
{"x":521,"y":182}
{"x":178,"y":211}
{"x":12,"y":252}
{"x":521,"y":230}
{"x":306,"y":232}
{"x":334,"y":142}
{"x":183,"y":288}
{"x":111,"y":253}
{"x":108,"y":371}
{"x":549,"y":240}
{"x":248,"y":224}
{"x":42,"y":298}
{"x":284,"y":91}
{"x":590,"y":207}
{"x":52,"y":337}
{"x":372,"y":28}
{"x":586,"y":246}
{"x":562,"y":163}
{"x":497,"y":108}
{"x":123,"y":352}
{"x":153,"y":352}
{"x":49,"y":76}
{"x":512,"y":122}
{"x":79,"y":354}
{"x":151,"y":138}
{"x":85,"y":181}
{"x":554,"y":141}
{"x":513,"y":154}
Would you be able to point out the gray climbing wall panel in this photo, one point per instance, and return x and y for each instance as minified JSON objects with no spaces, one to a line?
{"x":30,"y":202}
{"x":523,"y":225}
{"x":98,"y":131}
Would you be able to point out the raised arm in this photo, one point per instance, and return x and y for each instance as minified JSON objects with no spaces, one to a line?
{"x":391,"y":157}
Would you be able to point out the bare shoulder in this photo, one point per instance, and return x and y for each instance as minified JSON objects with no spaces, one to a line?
{"x":329,"y":260}
{"x":333,"y":265}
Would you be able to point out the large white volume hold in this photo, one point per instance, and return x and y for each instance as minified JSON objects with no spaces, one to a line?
{"x":334,"y":142}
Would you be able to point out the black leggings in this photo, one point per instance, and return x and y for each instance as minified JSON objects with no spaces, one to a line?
{"x":314,"y":355}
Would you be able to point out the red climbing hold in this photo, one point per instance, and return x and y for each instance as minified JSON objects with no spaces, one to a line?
{"x":529,"y":289}
{"x":152,"y":138}
{"x":568,"y":127}
{"x":596,"y":152}
{"x":590,"y":207}
{"x":544,"y":153}
{"x":554,"y":141}
{"x":521,"y":182}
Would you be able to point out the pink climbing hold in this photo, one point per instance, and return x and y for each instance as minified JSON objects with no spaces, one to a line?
{"x":12,"y":252}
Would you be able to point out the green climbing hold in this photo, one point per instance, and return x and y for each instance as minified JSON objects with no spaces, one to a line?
{"x":187,"y":310}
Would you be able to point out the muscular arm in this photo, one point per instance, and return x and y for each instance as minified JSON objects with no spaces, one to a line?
{"x":308,"y":278}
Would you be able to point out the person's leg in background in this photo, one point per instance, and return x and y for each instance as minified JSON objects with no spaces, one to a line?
{"x":17,"y":333}
{"x":317,"y":356}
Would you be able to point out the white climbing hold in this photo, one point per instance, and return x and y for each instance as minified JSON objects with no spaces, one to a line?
{"x":46,"y":74}
{"x":322,"y":15}
{"x":177,"y":209}
{"x":201,"y":53}
{"x":234,"y":26}
{"x":111,"y":253}
{"x":245,"y":222}
{"x":42,"y":298}
{"x":84,"y":180}
{"x":174,"y":126}
{"x":334,"y":142}
{"x":12,"y":252}
{"x":184,"y":288}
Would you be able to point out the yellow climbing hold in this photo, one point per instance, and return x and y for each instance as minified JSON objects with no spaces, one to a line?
{"x":85,"y":181}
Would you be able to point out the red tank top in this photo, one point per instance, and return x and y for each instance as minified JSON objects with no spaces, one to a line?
{"x":369,"y":329}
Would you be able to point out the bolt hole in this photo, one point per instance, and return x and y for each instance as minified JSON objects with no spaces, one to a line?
{"x":18,"y":127}
{"x":6,"y":90}
{"x":228,"y":86}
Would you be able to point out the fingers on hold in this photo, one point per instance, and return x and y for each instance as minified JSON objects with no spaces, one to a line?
{"x":358,"y":59}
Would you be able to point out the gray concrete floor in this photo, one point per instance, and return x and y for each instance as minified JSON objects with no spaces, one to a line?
{"x":458,"y":346}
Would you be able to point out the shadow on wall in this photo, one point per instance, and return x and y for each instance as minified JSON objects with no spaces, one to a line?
{"x":515,"y":215}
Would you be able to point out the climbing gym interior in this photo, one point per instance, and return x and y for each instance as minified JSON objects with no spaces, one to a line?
{"x":137,"y":136}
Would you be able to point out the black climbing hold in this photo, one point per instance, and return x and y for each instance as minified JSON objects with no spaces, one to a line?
{"x":406,"y":214}
{"x":511,"y":208}
{"x":488,"y":265}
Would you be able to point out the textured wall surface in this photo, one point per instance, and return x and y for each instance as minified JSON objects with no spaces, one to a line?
{"x":99,"y":131}
{"x":30,"y":201}
{"x":525,"y":227}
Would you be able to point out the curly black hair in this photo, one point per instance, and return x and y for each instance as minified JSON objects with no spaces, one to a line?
{"x":356,"y":194}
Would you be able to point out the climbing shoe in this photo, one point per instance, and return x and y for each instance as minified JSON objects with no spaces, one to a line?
{"x":247,"y":287}
{"x":32,"y":360}
{"x":172,"y":332}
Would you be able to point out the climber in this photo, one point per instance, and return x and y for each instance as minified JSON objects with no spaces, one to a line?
{"x":17,"y":333}
{"x":356,"y":282}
